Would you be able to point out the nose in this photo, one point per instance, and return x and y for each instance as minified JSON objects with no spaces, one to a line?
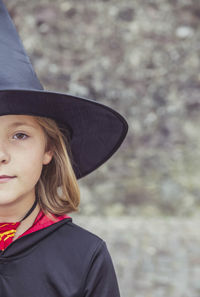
{"x":4,"y":156}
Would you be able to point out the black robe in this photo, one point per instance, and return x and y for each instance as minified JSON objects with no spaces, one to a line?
{"x":61,"y":260}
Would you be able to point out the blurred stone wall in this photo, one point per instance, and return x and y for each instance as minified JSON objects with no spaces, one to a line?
{"x":141,"y":58}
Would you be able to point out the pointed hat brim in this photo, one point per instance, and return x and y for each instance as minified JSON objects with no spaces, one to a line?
{"x":96,"y":130}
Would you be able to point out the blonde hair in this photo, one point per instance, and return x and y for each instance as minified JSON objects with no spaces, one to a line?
{"x":58,"y":175}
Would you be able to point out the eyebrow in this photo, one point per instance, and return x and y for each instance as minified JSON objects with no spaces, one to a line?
{"x":21,"y":124}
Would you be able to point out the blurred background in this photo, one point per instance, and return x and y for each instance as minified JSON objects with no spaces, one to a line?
{"x":142,"y":58}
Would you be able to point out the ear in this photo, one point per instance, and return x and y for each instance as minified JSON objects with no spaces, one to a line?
{"x":47,"y":157}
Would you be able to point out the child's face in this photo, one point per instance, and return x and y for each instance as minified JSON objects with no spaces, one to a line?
{"x":21,"y":156}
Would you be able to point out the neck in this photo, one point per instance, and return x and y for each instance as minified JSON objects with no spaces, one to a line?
{"x":27,"y":223}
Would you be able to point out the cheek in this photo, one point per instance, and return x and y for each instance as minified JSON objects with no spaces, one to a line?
{"x":30,"y":165}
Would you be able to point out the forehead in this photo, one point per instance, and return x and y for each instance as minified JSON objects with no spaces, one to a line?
{"x":17,"y":120}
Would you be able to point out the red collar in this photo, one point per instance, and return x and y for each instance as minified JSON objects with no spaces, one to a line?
{"x":7,"y":230}
{"x":43,"y":221}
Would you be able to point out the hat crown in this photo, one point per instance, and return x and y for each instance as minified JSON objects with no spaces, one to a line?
{"x":16,"y":71}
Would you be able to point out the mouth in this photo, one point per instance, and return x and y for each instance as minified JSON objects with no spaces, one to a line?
{"x":4,"y":178}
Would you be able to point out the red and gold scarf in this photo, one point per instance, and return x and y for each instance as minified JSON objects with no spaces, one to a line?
{"x":7,"y":232}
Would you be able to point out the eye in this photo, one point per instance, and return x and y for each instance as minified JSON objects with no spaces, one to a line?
{"x":21,"y":134}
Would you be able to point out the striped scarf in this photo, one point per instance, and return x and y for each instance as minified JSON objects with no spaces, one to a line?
{"x":7,"y":232}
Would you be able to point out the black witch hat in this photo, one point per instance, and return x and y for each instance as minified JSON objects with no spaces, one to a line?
{"x":96,"y":130}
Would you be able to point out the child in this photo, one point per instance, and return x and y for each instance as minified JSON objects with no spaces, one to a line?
{"x":48,"y":141}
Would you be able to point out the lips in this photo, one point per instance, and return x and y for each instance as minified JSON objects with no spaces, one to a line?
{"x":6,"y":176}
{"x":6,"y":179}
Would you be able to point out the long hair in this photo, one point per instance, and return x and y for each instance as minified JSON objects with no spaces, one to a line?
{"x":57,"y":189}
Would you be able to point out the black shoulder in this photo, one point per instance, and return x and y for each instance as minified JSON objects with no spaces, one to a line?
{"x":100,"y":279}
{"x":86,"y":256}
{"x":77,"y":236}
